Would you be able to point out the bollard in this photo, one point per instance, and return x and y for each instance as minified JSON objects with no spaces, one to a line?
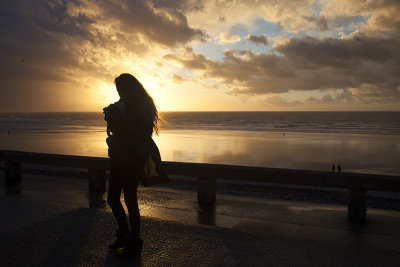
{"x":206,"y":191}
{"x":357,"y":206}
{"x":97,"y":180}
{"x":12,"y":171}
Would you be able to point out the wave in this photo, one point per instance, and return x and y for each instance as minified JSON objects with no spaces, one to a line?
{"x":319,"y":122}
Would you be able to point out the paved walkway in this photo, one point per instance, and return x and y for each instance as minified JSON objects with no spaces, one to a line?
{"x":47,"y":221}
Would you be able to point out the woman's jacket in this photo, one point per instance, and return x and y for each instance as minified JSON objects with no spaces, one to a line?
{"x":129,"y":139}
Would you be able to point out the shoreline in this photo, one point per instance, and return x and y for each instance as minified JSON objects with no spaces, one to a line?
{"x":371,"y":154}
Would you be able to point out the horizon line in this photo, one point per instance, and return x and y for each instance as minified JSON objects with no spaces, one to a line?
{"x":97,"y":111}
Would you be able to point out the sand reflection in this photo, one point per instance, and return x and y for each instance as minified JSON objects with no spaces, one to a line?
{"x":355,"y":152}
{"x":314,"y":151}
{"x":75,"y":143}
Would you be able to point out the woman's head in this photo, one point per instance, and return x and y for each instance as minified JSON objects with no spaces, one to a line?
{"x":136,"y":98}
{"x":129,"y":88}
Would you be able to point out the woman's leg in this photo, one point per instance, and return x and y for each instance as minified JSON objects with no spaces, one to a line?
{"x":130,"y":194}
{"x":115,"y":186}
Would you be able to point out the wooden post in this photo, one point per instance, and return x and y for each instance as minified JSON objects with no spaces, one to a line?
{"x":97,"y":180}
{"x":357,"y":206}
{"x":206,"y":191}
{"x":12,"y":171}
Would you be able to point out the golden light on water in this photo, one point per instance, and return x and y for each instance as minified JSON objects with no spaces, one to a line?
{"x":80,"y":143}
{"x":248,"y":148}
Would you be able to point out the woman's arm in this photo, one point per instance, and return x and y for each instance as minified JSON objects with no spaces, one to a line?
{"x":114,"y":120}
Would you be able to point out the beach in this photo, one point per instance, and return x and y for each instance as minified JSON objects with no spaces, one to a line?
{"x":377,"y":154}
{"x":252,"y":223}
{"x":234,"y":133}
{"x":359,"y":142}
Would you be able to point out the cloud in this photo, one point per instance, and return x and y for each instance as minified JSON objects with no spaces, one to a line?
{"x":178,"y":79}
{"x":80,"y":43}
{"x":377,"y":16}
{"x":165,"y":26}
{"x":304,"y":64}
{"x":75,"y":27}
{"x":301,"y":17}
{"x":279,"y":101}
{"x":262,"y":39}
{"x":349,"y":45}
{"x":339,"y":97}
{"x":219,"y":16}
{"x":228,"y":38}
{"x":184,"y":6}
{"x":322,"y":23}
{"x":342,"y":53}
{"x":291,"y":16}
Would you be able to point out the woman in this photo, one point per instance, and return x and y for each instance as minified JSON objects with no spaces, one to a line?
{"x":130,"y":124}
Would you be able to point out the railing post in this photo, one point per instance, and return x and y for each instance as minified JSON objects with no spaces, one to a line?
{"x":206,"y":191}
{"x":357,"y":206}
{"x":97,"y":180}
{"x":12,"y":171}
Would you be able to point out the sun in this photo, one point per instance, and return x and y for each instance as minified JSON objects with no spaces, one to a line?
{"x":106,"y":93}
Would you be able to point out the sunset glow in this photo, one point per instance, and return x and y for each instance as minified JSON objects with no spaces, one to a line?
{"x":202,"y":55}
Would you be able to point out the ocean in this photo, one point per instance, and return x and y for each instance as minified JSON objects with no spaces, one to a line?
{"x":367,"y":142}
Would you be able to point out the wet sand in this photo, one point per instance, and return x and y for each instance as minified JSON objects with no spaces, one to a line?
{"x":378,"y":154}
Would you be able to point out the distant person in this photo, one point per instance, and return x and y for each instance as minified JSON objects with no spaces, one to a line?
{"x":130,"y":124}
{"x":339,"y":168}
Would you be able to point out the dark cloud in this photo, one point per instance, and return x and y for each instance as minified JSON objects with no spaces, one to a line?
{"x":339,"y":97}
{"x":190,"y":60}
{"x":279,"y":101}
{"x":321,"y":22}
{"x":48,"y":48}
{"x":183,"y":5}
{"x":362,"y":64}
{"x":340,"y":52}
{"x":71,"y":41}
{"x":27,"y":26}
{"x":166,"y":26}
{"x":262,"y":39}
{"x":384,"y":14}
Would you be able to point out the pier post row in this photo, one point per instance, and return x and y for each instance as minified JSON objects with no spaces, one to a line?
{"x":96,"y":166}
{"x":206,"y":191}
{"x":208,"y":174}
{"x":97,"y":180}
{"x":12,"y":171}
{"x":357,"y":204}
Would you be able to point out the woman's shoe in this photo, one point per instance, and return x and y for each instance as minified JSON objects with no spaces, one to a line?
{"x":121,"y":242}
{"x":134,"y":249}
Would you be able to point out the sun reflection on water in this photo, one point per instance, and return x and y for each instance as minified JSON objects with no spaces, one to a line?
{"x":362,"y":153}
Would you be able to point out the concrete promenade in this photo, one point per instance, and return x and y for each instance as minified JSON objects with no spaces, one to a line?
{"x":49,"y":220}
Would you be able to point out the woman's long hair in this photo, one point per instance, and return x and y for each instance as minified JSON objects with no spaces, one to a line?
{"x":137,"y":99}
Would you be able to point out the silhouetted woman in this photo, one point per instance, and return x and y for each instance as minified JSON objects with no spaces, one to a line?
{"x":130,"y":124}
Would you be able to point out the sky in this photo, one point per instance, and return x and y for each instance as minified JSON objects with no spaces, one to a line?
{"x":201,"y":55}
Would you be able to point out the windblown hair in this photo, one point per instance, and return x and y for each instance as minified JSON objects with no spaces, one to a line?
{"x":137,"y":99}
